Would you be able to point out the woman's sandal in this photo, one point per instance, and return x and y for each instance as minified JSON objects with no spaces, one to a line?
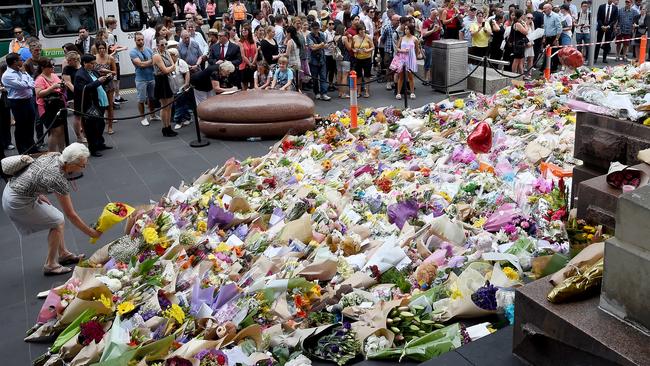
{"x":71,"y":259}
{"x":55,"y":271}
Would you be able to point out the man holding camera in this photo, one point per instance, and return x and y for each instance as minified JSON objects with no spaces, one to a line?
{"x":91,"y":99}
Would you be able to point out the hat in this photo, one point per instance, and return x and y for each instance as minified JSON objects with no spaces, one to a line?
{"x":396,"y":17}
{"x":324,"y":14}
{"x":416,"y":13}
{"x":213,"y":30}
{"x":172,"y":43}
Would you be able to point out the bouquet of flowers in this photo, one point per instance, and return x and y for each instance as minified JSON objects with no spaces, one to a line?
{"x":112,"y":214}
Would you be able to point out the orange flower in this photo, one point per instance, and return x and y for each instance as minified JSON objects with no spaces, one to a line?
{"x":239,"y":252}
{"x":327,"y":165}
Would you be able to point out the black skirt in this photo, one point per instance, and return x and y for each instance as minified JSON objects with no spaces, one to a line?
{"x":51,"y":118}
{"x":162,"y":90}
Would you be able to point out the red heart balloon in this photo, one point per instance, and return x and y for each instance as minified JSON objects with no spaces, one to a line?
{"x":480,"y":140}
{"x":570,"y":57}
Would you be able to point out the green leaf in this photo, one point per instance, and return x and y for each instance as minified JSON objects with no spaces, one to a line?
{"x":72,"y":330}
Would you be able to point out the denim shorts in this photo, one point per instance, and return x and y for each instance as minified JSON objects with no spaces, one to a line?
{"x":145,"y":90}
{"x":428,"y":57}
{"x":343,"y":66}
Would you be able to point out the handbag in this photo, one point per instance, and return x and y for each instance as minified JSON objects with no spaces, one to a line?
{"x":93,"y":111}
{"x":14,"y":164}
{"x":336,"y":52}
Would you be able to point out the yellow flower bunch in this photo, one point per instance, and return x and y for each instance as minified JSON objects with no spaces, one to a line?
{"x":480,"y":222}
{"x":511,"y":273}
{"x":150,"y":235}
{"x":345,"y":121}
{"x":106,"y":301}
{"x":454,"y":292}
{"x":459,"y":103}
{"x":125,"y":307}
{"x":175,"y":313}
{"x":222,"y":247}
{"x":202,"y":226}
{"x":404,"y":150}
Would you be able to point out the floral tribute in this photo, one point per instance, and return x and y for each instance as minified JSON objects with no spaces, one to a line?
{"x":337,"y":245}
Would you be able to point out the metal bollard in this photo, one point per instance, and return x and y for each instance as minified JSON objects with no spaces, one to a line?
{"x":198,"y":142}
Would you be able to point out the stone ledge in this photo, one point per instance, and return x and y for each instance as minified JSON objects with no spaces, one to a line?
{"x":626,"y":288}
{"x":632,"y":215}
{"x":576,"y":333}
{"x":494,"y":81}
{"x":602,"y":139}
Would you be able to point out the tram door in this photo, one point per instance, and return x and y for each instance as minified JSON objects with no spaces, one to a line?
{"x":131,"y":17}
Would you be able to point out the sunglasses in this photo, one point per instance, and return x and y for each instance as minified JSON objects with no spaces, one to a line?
{"x":18,"y":32}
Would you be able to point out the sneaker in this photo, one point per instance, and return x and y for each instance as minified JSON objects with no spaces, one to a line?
{"x":178,"y":126}
{"x":389,"y":86}
{"x":10,"y":147}
{"x":317,"y":96}
{"x":122,"y":100}
{"x":144,"y":122}
{"x":116,"y":102}
{"x":187,"y":122}
{"x":155,"y":117}
{"x":412,"y":96}
{"x":398,"y":96}
{"x":325,"y":97}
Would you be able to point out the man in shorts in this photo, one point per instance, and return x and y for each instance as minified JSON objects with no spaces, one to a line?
{"x":141,"y":57}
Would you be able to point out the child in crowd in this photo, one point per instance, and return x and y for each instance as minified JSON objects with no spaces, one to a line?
{"x":262,"y":77}
{"x":283,"y":78}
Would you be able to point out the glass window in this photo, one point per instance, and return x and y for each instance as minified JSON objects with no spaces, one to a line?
{"x":65,"y":18}
{"x":132,"y":17}
{"x":17,"y":17}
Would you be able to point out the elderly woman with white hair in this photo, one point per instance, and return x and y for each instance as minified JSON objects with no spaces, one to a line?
{"x":25,"y":201}
{"x":219,"y":77}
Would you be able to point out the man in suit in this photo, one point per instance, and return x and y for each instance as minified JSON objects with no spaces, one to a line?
{"x":224,"y":50}
{"x":85,"y":42}
{"x":605,"y":22}
{"x":88,"y":93}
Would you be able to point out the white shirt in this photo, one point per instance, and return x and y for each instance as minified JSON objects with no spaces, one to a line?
{"x":370,"y":27}
{"x":181,"y":69}
{"x":329,"y":37}
{"x":608,"y":12}
{"x":203,"y":45}
{"x":149,"y":34}
{"x":536,"y":4}
{"x":279,"y":36}
{"x":254,"y":24}
{"x":157,"y":11}
{"x":278,"y":7}
{"x":339,"y":16}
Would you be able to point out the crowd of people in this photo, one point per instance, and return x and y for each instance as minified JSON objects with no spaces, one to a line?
{"x":274,"y":47}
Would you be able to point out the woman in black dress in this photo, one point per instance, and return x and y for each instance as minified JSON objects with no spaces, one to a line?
{"x":162,"y":67}
{"x":498,"y":31}
{"x":269,"y":47}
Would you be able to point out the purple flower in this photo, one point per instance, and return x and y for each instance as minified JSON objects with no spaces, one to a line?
{"x":400,"y":212}
{"x":509,"y":229}
{"x":219,"y":216}
{"x":485,"y":297}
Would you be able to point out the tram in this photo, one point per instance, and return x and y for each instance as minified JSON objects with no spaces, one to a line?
{"x":56,"y":22}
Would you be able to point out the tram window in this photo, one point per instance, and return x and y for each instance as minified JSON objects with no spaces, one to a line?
{"x":131,"y":15}
{"x":21,"y":17}
{"x":64,"y":17}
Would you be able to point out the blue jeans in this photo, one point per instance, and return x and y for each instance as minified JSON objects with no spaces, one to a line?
{"x":428,"y":57}
{"x":565,"y":39}
{"x":583,"y":38}
{"x":182,"y":108}
{"x":319,"y":78}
